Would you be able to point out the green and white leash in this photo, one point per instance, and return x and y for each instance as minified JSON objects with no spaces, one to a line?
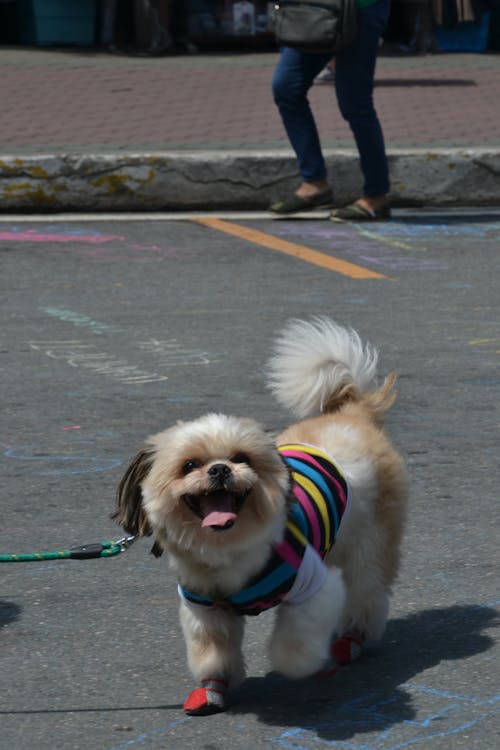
{"x":84,"y":552}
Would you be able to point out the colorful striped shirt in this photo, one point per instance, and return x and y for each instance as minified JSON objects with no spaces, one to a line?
{"x":295,"y":570}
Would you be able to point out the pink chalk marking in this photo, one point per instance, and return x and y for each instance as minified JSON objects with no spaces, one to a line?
{"x":74,"y":427}
{"x":31,"y":235}
{"x":154,"y":248}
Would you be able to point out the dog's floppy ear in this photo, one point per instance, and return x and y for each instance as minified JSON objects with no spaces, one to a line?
{"x":129,"y":511}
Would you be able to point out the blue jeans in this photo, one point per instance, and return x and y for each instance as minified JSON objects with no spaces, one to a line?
{"x":354,"y":74}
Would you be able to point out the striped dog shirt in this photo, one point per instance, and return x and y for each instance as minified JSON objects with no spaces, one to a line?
{"x":295,"y":570}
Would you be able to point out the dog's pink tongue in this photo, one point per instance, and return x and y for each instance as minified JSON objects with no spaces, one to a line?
{"x":219,"y":519}
{"x":217,"y":510}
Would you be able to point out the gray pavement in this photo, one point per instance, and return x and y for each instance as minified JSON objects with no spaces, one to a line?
{"x":112,"y":330}
{"x":86,"y":130}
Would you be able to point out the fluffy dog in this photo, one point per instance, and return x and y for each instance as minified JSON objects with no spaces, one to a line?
{"x":311,"y":521}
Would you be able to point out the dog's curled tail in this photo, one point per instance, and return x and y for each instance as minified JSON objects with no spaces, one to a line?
{"x":318,"y":365}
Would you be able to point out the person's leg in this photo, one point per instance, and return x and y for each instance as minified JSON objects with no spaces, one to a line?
{"x":355,"y":70}
{"x":293,"y":77}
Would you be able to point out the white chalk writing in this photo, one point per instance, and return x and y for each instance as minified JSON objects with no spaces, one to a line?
{"x":79,"y":354}
{"x":173,"y":354}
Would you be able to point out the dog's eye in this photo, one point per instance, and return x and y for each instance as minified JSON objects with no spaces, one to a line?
{"x":190,"y":466}
{"x":240,"y":458}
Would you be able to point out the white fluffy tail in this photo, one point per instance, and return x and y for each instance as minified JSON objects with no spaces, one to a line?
{"x":318,"y":364}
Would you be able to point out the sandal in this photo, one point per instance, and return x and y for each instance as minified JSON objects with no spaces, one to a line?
{"x":295,"y":203}
{"x":355,"y":212}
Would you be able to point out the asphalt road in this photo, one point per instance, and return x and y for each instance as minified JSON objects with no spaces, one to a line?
{"x":113,"y":329}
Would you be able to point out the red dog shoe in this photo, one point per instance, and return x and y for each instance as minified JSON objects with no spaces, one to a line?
{"x":348,"y":648}
{"x":209,"y":699}
{"x":344,"y":650}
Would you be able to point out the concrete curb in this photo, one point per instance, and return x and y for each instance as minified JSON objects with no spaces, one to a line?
{"x":234,"y":180}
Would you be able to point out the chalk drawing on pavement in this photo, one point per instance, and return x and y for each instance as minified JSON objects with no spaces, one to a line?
{"x":443,"y":714}
{"x":411,"y":713}
{"x":398,"y":245}
{"x":79,"y":320}
{"x":18,"y":234}
{"x":82,"y":355}
{"x":367,"y":246}
{"x":146,"y":737}
{"x":164,"y":353}
{"x":487,"y":343}
{"x":45,"y":463}
{"x":171,"y":353}
{"x":91,"y":243}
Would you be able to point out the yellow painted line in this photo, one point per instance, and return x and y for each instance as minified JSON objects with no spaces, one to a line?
{"x":306,"y":254}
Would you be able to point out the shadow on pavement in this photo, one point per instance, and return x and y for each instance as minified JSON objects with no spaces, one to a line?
{"x":371,"y":695}
{"x":9,"y":612}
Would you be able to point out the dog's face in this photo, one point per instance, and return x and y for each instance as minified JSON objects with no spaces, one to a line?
{"x":216,"y":482}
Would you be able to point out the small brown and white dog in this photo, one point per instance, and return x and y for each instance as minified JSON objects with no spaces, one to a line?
{"x":315,"y":526}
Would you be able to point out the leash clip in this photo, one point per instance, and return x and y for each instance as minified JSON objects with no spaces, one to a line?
{"x":105,"y":549}
{"x":127,"y":541}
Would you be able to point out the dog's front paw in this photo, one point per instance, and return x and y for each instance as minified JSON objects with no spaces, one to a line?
{"x":209,"y":699}
{"x":295,"y":659}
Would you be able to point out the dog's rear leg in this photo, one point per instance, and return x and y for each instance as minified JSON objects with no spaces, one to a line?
{"x":214,"y":649}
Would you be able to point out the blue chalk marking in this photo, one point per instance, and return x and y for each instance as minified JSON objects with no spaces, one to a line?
{"x":147,"y":735}
{"x":447,"y":733}
{"x":491,"y":701}
{"x":97,"y":464}
{"x":288,"y":737}
{"x":441,"y":693}
{"x":370,"y":719}
{"x":428,"y":721}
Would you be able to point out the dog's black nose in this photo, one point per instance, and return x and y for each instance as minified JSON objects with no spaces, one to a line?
{"x":219,"y":471}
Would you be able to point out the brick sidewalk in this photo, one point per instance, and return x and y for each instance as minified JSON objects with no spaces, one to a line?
{"x":81,"y":101}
